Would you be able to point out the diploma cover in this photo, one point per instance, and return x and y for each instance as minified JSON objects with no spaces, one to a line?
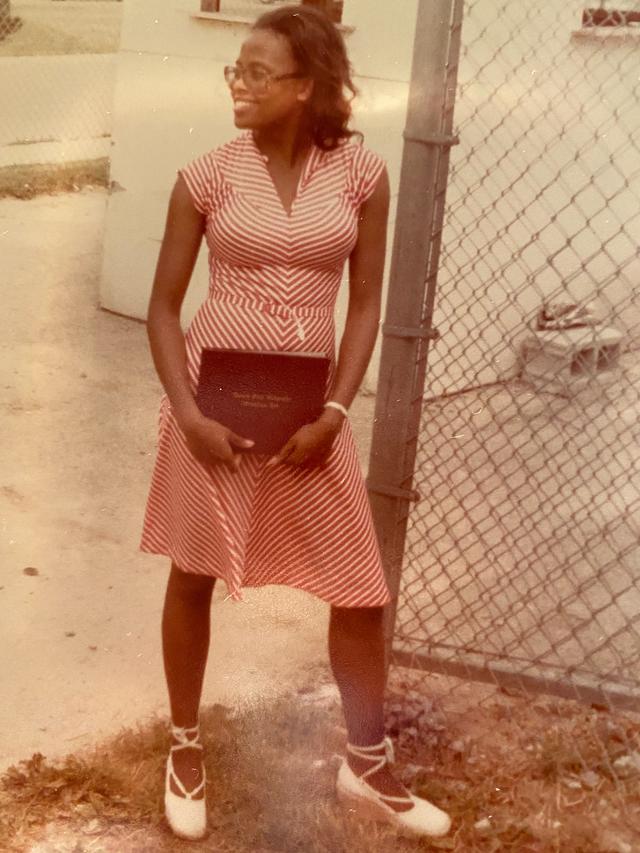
{"x":262,"y":395}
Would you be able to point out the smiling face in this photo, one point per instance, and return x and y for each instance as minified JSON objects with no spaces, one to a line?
{"x":267,"y":53}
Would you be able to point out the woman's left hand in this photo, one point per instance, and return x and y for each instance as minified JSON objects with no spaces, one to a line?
{"x":311,"y":445}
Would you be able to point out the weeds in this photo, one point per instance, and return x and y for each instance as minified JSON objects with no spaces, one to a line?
{"x":27,"y":181}
{"x":539,"y":783}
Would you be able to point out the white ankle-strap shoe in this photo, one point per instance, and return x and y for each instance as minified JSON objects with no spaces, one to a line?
{"x":423,"y":819}
{"x":186,"y":816}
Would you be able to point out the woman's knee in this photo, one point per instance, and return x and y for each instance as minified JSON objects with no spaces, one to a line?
{"x":190,"y":587}
{"x":357,"y":615}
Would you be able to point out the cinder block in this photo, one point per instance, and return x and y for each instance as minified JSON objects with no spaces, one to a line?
{"x":564,"y":361}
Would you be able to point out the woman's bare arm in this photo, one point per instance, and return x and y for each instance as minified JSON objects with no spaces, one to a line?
{"x":209,"y":441}
{"x":182,"y":237}
{"x":366,"y":271}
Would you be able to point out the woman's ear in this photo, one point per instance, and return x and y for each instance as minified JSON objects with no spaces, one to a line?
{"x":305,"y":92}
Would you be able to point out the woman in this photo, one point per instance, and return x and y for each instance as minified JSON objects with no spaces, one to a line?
{"x":282,"y":206}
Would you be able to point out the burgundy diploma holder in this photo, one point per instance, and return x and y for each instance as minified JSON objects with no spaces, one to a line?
{"x":262,"y":395}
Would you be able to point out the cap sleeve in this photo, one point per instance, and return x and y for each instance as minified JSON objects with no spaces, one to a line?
{"x":367,"y":167}
{"x":202,"y":178}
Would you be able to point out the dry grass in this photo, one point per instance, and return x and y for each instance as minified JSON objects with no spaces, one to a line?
{"x":509,"y":762}
{"x":27,"y":181}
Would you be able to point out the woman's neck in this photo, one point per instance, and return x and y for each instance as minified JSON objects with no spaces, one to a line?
{"x":288,"y":143}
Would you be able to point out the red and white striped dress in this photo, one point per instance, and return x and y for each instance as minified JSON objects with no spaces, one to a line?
{"x":274,"y":279}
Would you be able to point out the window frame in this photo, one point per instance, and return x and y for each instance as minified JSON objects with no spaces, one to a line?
{"x":604,"y":17}
{"x":213,"y":7}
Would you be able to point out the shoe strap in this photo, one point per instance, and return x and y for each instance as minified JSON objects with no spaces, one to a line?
{"x":189,"y":795}
{"x":186,"y":737}
{"x":381,"y":760}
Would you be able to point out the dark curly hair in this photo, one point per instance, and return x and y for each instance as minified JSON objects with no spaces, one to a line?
{"x":320,"y":53}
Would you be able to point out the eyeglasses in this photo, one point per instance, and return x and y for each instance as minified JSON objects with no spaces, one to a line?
{"x":255,"y":78}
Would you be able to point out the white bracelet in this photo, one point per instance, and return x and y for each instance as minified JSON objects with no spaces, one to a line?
{"x":331,"y":404}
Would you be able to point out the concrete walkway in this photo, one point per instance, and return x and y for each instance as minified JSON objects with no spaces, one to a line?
{"x":79,"y":605}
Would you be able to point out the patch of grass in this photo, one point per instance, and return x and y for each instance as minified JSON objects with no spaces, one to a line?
{"x":271,"y":787}
{"x":27,"y":181}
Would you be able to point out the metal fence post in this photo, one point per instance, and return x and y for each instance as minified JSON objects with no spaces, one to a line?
{"x":407,"y":328}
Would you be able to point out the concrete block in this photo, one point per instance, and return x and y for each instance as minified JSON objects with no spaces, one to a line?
{"x":567,"y":360}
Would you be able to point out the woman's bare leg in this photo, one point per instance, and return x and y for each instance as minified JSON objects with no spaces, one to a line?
{"x":356,"y":654}
{"x":185,"y":643}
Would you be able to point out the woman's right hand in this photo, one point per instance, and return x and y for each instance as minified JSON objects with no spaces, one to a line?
{"x":214,"y":444}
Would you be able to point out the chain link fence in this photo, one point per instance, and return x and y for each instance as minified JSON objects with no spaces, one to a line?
{"x":57,"y":73}
{"x":521,"y":568}
{"x":525,"y":549}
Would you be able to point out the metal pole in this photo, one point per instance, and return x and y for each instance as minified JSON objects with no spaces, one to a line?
{"x":407,"y":329}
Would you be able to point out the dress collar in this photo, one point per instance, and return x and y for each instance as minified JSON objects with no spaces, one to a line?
{"x":313,"y":160}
